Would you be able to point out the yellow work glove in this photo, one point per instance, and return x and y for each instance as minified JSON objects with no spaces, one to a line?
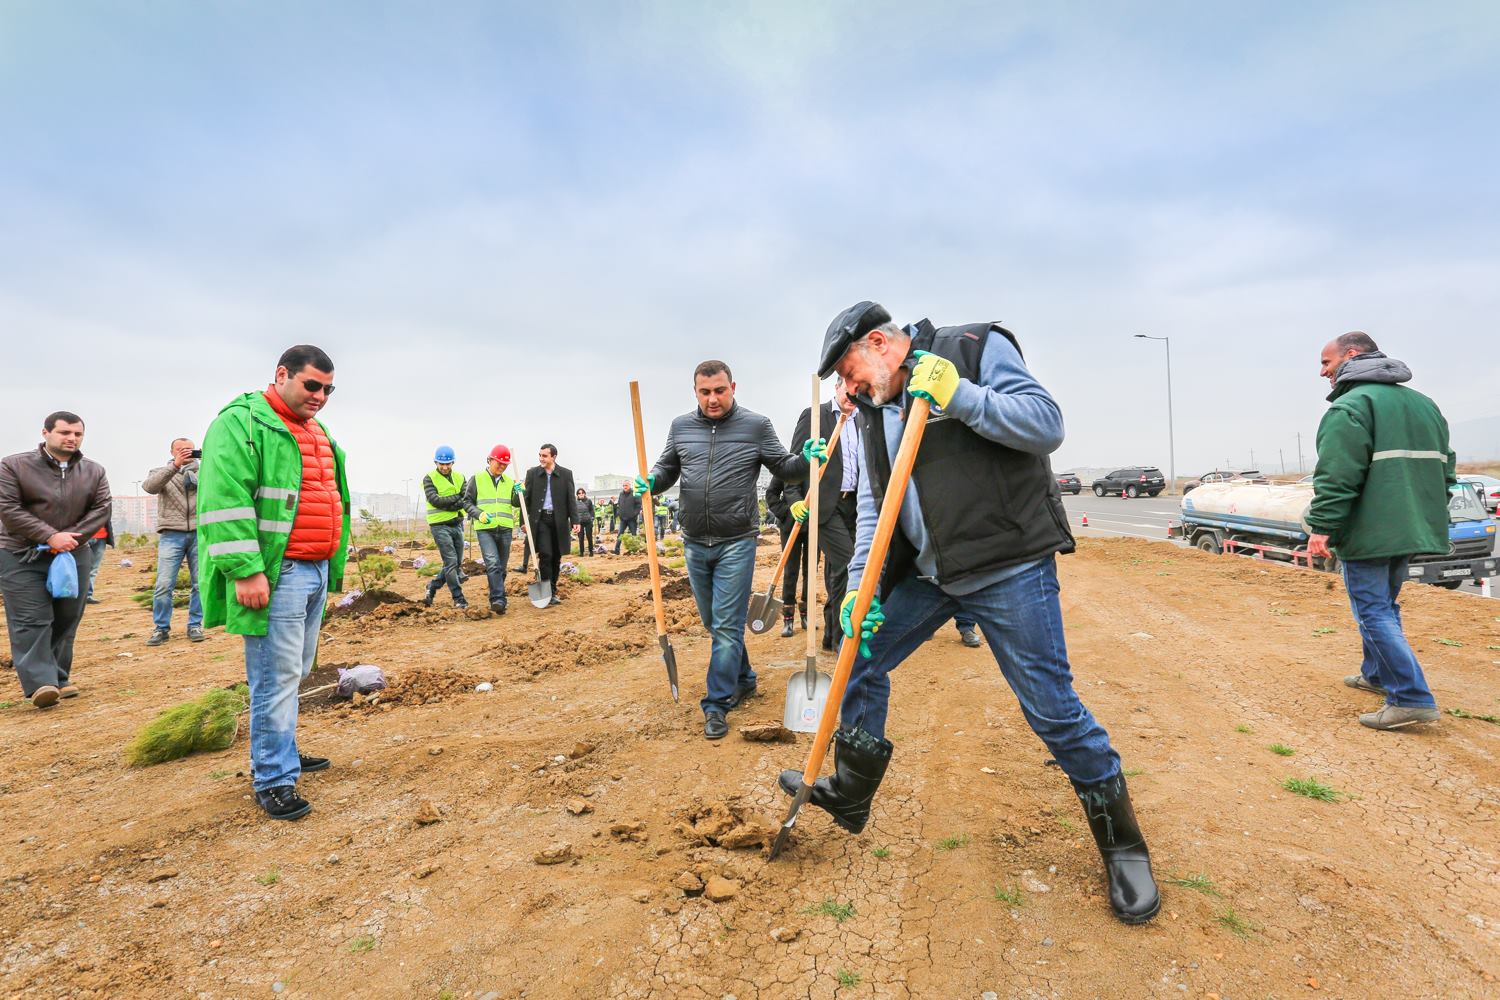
{"x":933,"y":379}
{"x":799,"y":512}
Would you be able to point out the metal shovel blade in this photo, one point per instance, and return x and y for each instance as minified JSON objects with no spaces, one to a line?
{"x":540,"y":592}
{"x":803,"y":796}
{"x":764,"y":610}
{"x":806,"y":694}
{"x":669,"y":657}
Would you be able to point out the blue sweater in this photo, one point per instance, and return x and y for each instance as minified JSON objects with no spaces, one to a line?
{"x":1007,"y":406}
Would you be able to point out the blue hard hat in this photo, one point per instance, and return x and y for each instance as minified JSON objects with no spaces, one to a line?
{"x":443,"y":455}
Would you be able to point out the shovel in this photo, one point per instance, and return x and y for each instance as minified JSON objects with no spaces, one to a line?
{"x":766,"y":608}
{"x":806,"y":695}
{"x":890,"y":511}
{"x":668,"y":655}
{"x":539,"y":590}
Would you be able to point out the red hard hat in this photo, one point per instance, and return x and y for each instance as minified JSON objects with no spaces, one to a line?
{"x":501,"y":454}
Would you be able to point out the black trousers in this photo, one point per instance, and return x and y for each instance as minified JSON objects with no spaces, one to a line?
{"x":836,"y":542}
{"x":586,"y":538}
{"x":41,"y":628}
{"x":549,"y":548}
{"x":796,"y":563}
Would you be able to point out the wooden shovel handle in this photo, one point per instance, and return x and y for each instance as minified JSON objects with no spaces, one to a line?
{"x":791,"y":539}
{"x":526,"y":521}
{"x":648,"y":509}
{"x":890,"y":511}
{"x":814,"y":473}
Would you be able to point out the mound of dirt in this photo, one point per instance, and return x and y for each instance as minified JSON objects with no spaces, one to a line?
{"x":673,"y":590}
{"x":641,"y":572}
{"x":727,"y":823}
{"x":557,"y":650}
{"x":427,"y":686}
{"x":370,"y":601}
{"x":681,"y":616}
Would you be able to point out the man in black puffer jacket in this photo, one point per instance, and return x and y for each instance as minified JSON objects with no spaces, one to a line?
{"x":717,"y":451}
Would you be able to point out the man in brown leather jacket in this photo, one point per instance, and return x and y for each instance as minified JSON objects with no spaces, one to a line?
{"x":52,"y":500}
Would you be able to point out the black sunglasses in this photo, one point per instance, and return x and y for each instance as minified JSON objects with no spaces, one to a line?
{"x":314,"y":386}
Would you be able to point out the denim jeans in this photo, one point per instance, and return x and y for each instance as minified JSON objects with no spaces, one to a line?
{"x":449,"y":537}
{"x":721,"y":576}
{"x":276,"y":663}
{"x":1021,"y":619}
{"x":494,"y":545}
{"x":1373,"y":586}
{"x":96,"y":549}
{"x":173,"y":548}
{"x":627,"y":527}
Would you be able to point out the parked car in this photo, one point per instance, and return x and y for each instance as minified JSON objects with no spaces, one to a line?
{"x":1224,"y":476}
{"x":1131,"y":482}
{"x":1069,"y":482}
{"x":1489,"y":490}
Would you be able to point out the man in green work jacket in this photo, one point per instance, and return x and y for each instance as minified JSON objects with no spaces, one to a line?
{"x":1380,"y":497}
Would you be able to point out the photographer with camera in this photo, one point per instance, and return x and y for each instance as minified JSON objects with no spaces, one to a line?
{"x":175,"y":486}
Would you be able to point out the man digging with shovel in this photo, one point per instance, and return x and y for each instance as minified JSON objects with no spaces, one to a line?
{"x":979,"y":528}
{"x":718,"y":451}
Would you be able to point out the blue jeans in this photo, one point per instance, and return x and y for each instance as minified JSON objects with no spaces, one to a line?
{"x":449,"y":537}
{"x":275,"y":665}
{"x":172,"y":549}
{"x":96,"y":546}
{"x":1389,"y":662}
{"x":494,"y":546}
{"x":1021,"y":619}
{"x":722,"y":576}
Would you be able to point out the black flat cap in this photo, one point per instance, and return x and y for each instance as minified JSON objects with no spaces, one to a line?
{"x":847,"y":327}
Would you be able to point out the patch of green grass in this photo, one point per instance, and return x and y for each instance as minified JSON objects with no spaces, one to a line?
{"x":881,"y":852}
{"x":1242,"y":728}
{"x":269,"y":878}
{"x":1234,"y":923}
{"x":431,"y":569}
{"x":583,"y":576}
{"x":1281,"y":749}
{"x":447,"y":995}
{"x":1324,"y":630}
{"x":206,"y":723}
{"x":1280,"y":612}
{"x":1066,"y":825}
{"x":1198,"y":881}
{"x":1312,"y":788}
{"x":952,"y":843}
{"x":831,"y":907}
{"x":362,"y":944}
{"x":218,"y":658}
{"x":1449,"y":642}
{"x":847,"y":978}
{"x":1133,"y":772}
{"x":1457,"y":713}
{"x":1010,"y":896}
{"x":675,"y":563}
{"x":218,"y":775}
{"x":8,"y":704}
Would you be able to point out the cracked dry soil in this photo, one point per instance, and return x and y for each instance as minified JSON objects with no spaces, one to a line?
{"x":417,"y":873}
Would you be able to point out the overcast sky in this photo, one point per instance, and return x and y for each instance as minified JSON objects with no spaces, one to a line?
{"x":493,"y":216}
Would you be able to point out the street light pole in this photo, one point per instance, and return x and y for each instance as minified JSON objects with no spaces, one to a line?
{"x":1171,"y":436}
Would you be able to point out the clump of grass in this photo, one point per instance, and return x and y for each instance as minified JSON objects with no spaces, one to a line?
{"x":1242,"y":728}
{"x":430,"y":569}
{"x":1133,"y":772}
{"x":1234,"y":923}
{"x":847,"y":978}
{"x":1009,"y":896}
{"x":8,"y":704}
{"x":583,"y":576}
{"x":362,"y":944}
{"x":218,"y":774}
{"x":1457,"y":713}
{"x":1324,"y":630}
{"x":1312,"y":788}
{"x":1066,"y":825}
{"x":209,"y":723}
{"x":1449,"y":642}
{"x":881,"y":852}
{"x":1281,"y":612}
{"x":831,"y":907}
{"x":269,"y":878}
{"x":1197,"y":881}
{"x":1281,"y":749}
{"x":952,"y":843}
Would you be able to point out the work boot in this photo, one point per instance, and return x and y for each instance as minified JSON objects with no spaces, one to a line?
{"x":714,"y":725}
{"x":313,"y":763}
{"x":1127,"y":863}
{"x":158,"y":636}
{"x":970,"y":637}
{"x":803,"y":616}
{"x":195,"y":633}
{"x":859,"y":763}
{"x":741,"y":692}
{"x":283,"y":802}
{"x":427,"y":598}
{"x":786,"y":627}
{"x":497,"y":607}
{"x":1359,"y":683}
{"x":461,"y":604}
{"x":45,"y":696}
{"x":1392,"y":717}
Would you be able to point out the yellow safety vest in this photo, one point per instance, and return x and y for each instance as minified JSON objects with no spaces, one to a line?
{"x":495,"y":499}
{"x":446,"y":486}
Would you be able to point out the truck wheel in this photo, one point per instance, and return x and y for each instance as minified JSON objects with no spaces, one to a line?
{"x":1209,"y":542}
{"x":1132,"y":491}
{"x":1450,"y":584}
{"x":1098,"y":491}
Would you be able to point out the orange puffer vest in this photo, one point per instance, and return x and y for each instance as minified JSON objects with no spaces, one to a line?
{"x":320,"y":511}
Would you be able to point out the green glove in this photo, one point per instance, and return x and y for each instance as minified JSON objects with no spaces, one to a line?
{"x":644,"y":485}
{"x":874,"y":618}
{"x":484,"y":520}
{"x":799,"y":512}
{"x":933,"y":379}
{"x":520,"y":487}
{"x":815,"y":447}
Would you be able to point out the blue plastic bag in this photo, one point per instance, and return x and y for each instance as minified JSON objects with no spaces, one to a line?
{"x":62,"y":577}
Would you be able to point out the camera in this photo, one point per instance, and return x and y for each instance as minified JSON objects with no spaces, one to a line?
{"x":197,"y":453}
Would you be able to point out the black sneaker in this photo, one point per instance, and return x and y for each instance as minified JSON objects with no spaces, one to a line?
{"x":195,"y":633}
{"x":461,"y":605}
{"x":554,"y":602}
{"x":158,"y":636}
{"x":283,"y":802}
{"x":714,"y":725}
{"x":497,"y":607}
{"x":740,"y":694}
{"x":970,"y":638}
{"x":427,"y":599}
{"x":314,"y":763}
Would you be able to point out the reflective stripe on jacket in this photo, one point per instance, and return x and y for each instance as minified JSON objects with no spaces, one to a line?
{"x":495,"y":499}
{"x":446,"y":486}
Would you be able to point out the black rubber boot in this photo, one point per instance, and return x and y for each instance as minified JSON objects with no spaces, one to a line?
{"x":1127,"y":863}
{"x":859,"y":763}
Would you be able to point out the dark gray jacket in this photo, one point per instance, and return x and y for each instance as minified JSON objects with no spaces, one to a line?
{"x":38,"y":499}
{"x":718,"y":462}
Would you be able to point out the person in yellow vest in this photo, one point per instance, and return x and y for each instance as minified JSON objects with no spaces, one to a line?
{"x":492,"y":501}
{"x":445,"y":504}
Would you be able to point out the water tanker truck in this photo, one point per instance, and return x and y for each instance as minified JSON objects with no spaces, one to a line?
{"x":1269,"y":521}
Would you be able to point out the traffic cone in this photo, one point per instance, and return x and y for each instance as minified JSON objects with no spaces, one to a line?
{"x":1085,"y":520}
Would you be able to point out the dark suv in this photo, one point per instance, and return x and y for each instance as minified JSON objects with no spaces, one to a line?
{"x":1131,"y":482}
{"x":1068,"y":482}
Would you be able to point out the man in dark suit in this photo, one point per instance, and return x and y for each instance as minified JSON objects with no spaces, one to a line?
{"x":779,"y":506}
{"x":553,"y":509}
{"x":838,"y":503}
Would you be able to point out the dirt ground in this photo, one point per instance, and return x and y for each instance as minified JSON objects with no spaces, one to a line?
{"x":571,"y":834}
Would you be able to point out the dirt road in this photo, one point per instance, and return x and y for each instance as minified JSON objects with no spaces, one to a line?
{"x":418,"y":873}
